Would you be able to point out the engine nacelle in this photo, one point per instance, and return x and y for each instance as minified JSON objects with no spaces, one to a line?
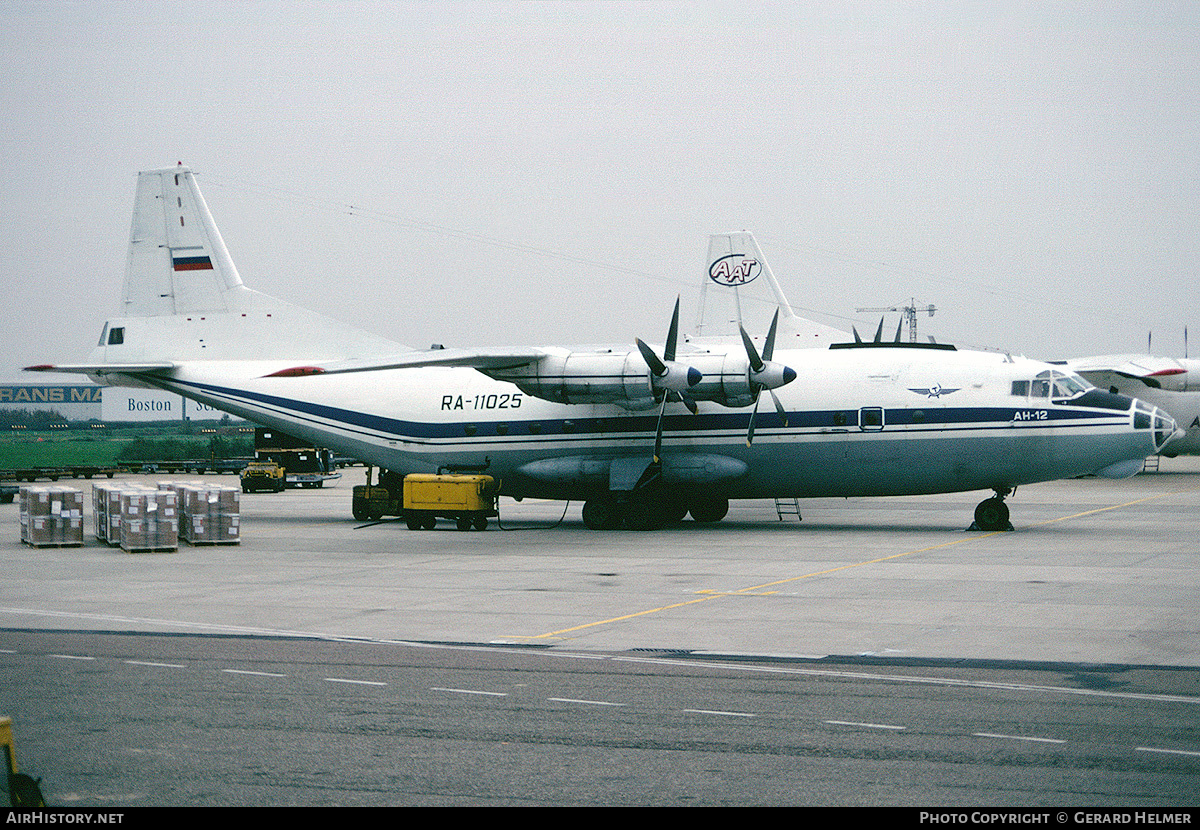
{"x":624,"y":378}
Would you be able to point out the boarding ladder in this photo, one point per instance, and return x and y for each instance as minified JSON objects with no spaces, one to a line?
{"x":788,"y":507}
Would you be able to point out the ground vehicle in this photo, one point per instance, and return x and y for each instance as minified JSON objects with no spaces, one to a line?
{"x":468,"y":499}
{"x":263,"y":475}
{"x":374,"y":501}
{"x":422,"y":499}
{"x":304,"y":465}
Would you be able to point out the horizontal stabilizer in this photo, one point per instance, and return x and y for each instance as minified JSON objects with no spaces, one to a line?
{"x":101,"y":368}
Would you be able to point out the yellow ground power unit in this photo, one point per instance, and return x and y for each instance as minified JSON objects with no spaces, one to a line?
{"x":468,"y":499}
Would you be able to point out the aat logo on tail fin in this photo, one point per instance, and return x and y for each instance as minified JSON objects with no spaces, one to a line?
{"x":734,"y":269}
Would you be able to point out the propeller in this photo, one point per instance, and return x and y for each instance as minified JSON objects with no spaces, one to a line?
{"x":766,"y":375}
{"x":665,"y":373}
{"x":671,"y":378}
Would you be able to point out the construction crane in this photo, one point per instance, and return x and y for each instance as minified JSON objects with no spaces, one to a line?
{"x":910,"y":314}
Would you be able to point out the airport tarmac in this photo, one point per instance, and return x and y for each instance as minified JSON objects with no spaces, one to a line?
{"x":1096,"y":571}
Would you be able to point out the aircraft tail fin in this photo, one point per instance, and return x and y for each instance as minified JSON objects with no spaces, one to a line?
{"x":740,"y":290}
{"x":177,"y":263}
{"x":183,"y":298}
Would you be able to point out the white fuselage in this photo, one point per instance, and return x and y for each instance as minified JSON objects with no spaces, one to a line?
{"x":859,"y":422}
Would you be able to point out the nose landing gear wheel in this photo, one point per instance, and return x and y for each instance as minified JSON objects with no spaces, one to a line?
{"x":992,"y":514}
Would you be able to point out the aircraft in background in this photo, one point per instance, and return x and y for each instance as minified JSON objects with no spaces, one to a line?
{"x":1172,"y":384}
{"x":642,"y":434}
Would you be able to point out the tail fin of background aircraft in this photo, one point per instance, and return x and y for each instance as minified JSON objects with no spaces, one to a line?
{"x":183,"y":298}
{"x":739,"y":289}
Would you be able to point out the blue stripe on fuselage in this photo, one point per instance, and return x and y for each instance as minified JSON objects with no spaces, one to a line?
{"x":935,"y":419}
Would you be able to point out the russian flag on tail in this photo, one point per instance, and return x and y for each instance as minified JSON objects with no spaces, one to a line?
{"x":190,"y":259}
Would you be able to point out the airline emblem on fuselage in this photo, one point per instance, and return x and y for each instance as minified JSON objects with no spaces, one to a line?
{"x":935,"y":391}
{"x":735,"y":269}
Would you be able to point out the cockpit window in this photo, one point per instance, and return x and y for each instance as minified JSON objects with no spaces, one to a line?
{"x":116,"y":336}
{"x":1051,"y":384}
{"x":1068,"y":386}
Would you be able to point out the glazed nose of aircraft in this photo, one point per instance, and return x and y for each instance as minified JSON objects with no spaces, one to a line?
{"x":1165,"y":428}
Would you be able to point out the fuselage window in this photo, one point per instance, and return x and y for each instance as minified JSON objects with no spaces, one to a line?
{"x":1020,"y":388}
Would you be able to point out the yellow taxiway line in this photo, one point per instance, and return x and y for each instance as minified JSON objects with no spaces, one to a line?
{"x":709,"y":594}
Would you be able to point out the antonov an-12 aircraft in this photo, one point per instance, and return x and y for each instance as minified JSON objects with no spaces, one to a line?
{"x":642,"y":434}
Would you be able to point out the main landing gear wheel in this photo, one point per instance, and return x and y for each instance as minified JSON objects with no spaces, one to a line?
{"x":633,"y":514}
{"x":600,"y":514}
{"x":992,"y":514}
{"x":643,"y":514}
{"x":709,"y":510}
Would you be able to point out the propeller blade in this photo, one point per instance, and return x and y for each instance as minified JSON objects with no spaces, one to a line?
{"x":779,"y":407}
{"x":769,"y":346}
{"x":756,"y":362}
{"x":658,"y":433}
{"x":669,"y":374}
{"x":690,"y":403}
{"x":753,"y":415}
{"x":899,"y":325}
{"x":656,"y":366}
{"x":879,"y":332}
{"x":857,"y":339}
{"x":672,"y":335}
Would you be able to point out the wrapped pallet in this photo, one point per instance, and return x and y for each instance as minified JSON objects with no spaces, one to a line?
{"x":149,"y":521}
{"x":106,"y":511}
{"x":210,"y":514}
{"x":51,"y":516}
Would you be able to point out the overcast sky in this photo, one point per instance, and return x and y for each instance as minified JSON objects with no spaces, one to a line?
{"x":477,"y":173}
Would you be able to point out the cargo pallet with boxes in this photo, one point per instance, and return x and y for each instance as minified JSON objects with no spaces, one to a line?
{"x":51,"y":516}
{"x":136,"y":517}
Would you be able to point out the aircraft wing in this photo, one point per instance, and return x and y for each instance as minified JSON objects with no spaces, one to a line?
{"x":481,"y":359}
{"x":1155,"y":372}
